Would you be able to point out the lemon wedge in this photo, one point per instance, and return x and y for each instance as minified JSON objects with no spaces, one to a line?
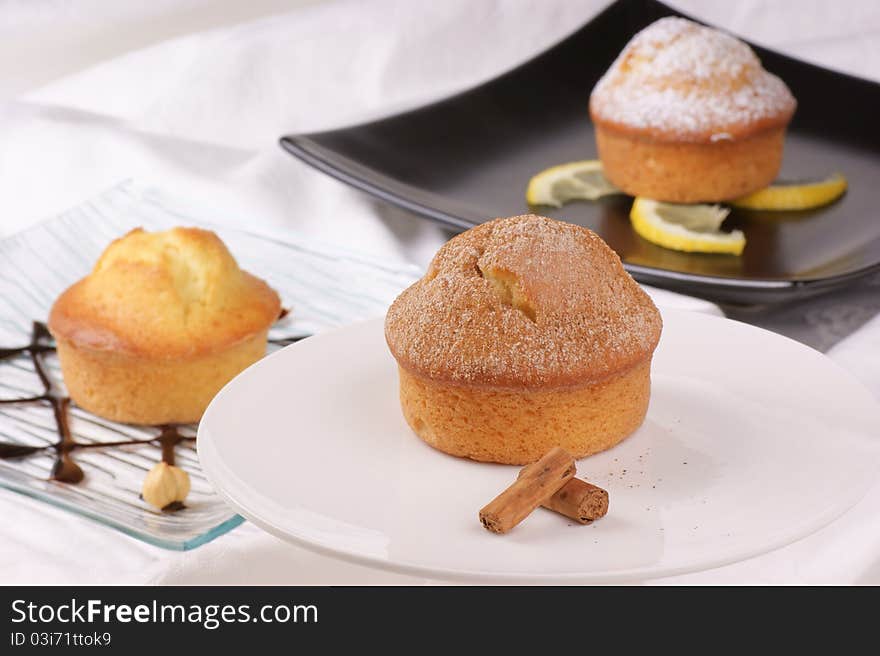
{"x":573,"y":181}
{"x":689,"y":228}
{"x":795,"y":196}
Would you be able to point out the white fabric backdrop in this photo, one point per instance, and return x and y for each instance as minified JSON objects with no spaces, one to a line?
{"x":192,"y":95}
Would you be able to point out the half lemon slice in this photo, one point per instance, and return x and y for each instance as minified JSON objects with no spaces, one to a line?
{"x":795,"y":196}
{"x":573,"y":181}
{"x":689,"y":228}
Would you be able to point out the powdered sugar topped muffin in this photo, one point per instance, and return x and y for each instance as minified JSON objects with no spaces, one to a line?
{"x":687,"y":113}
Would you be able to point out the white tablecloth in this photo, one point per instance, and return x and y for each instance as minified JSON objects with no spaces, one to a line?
{"x":191,"y":95}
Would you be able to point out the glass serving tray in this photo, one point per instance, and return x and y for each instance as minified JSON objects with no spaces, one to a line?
{"x":322,"y":285}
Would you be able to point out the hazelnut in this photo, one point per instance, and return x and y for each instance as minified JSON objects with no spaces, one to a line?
{"x":164,"y":485}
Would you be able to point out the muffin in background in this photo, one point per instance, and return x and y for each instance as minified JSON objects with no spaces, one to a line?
{"x":688,"y":114}
{"x":163,"y":321}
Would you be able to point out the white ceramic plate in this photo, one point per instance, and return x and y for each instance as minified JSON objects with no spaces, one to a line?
{"x":752,"y":441}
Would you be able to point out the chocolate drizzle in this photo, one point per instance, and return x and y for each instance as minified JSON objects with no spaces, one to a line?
{"x":65,"y":469}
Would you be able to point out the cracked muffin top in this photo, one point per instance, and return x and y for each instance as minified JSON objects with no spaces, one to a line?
{"x":177,"y":293}
{"x":523,"y":302}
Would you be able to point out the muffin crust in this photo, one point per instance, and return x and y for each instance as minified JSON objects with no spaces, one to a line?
{"x":573,"y":314}
{"x":524,"y":334}
{"x":680,"y":81}
{"x":687,"y":113}
{"x":162,"y":322}
{"x":177,"y":293}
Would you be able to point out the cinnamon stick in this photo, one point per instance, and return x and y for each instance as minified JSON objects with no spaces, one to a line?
{"x":579,"y":500}
{"x":535,"y":485}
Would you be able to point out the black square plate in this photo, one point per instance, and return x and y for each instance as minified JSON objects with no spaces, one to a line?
{"x":467,"y":159}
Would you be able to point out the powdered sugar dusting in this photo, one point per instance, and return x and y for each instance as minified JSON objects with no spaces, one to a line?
{"x":591,"y":319}
{"x":684,"y":80}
